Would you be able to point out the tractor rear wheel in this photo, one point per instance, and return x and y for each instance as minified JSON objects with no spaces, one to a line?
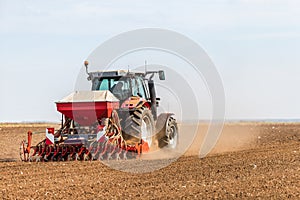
{"x":139,"y":125}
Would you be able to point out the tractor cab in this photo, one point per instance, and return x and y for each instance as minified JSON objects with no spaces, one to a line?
{"x":123,"y":87}
{"x":131,"y":88}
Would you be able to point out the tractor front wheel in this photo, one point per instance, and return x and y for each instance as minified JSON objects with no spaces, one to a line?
{"x":170,"y":139}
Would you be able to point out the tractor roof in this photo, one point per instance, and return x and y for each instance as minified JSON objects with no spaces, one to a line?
{"x":116,"y":73}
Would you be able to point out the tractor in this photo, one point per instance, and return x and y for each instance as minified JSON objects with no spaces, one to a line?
{"x":116,"y":119}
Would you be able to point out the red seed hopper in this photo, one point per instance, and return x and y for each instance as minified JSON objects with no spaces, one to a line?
{"x":85,"y":107}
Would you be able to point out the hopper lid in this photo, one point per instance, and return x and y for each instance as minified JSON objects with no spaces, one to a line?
{"x":90,"y":96}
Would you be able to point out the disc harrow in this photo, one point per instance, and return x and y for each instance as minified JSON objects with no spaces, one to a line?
{"x":110,"y":145}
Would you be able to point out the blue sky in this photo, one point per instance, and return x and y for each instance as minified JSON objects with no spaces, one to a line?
{"x":255,"y":46}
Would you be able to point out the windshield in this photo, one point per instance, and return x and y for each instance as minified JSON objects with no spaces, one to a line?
{"x":119,"y":86}
{"x":111,"y":83}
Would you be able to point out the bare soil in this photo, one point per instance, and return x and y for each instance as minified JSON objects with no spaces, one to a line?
{"x":250,"y":160}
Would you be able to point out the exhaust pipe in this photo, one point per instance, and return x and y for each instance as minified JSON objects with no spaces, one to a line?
{"x":152,"y":98}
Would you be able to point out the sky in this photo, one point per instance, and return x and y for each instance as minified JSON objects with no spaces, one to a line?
{"x":254,"y":44}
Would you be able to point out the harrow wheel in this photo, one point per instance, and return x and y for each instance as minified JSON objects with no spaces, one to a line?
{"x":24,"y":155}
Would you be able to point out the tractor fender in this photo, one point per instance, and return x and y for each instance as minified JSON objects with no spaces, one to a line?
{"x":160,"y":126}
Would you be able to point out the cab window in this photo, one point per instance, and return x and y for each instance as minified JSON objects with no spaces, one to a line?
{"x":140,"y":88}
{"x":104,"y":85}
{"x":134,"y":88}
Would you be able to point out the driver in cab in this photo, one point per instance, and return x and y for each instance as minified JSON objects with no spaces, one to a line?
{"x":117,"y":90}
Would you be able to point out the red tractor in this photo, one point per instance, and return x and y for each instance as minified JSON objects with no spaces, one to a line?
{"x":117,"y":119}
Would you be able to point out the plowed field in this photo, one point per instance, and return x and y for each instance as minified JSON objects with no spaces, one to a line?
{"x":250,"y":160}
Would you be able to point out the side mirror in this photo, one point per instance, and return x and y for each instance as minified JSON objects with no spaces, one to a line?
{"x":161,"y":75}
